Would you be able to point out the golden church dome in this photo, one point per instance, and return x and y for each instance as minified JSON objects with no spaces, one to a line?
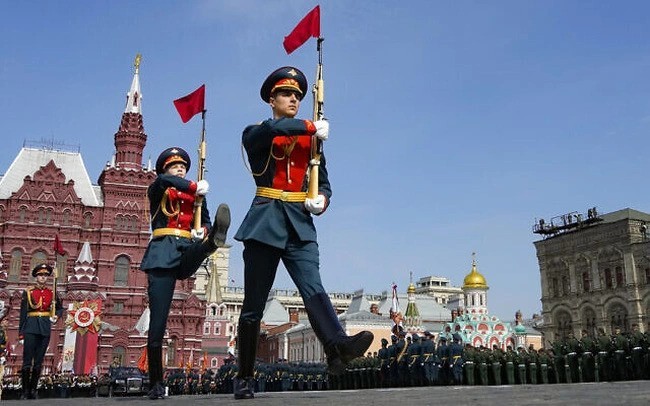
{"x":474,"y":279}
{"x":411,"y":288}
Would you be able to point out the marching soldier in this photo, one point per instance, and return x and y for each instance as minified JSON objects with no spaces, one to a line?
{"x":176,"y":250}
{"x":402,"y":359}
{"x":279,"y":225}
{"x":559,"y":363}
{"x":35,"y":326}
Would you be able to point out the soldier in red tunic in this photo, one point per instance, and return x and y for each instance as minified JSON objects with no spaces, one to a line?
{"x":36,"y":321}
{"x":176,"y":250}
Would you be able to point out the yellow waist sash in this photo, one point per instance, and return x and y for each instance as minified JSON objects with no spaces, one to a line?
{"x":160,"y":232}
{"x":292,"y":197}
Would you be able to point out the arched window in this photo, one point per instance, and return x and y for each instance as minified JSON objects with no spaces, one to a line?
{"x":41,"y":215}
{"x":122,"y":265}
{"x":119,"y":352}
{"x":49,"y":214}
{"x":22,"y":214}
{"x":564,"y":324}
{"x":620,"y":277}
{"x":589,"y":321}
{"x":61,"y":262}
{"x":15,"y":265}
{"x":39,"y":257}
{"x":608,"y":278}
{"x":586,"y":282}
{"x":206,"y":328}
{"x":618,"y":317}
{"x":67,"y":214}
{"x":87,"y":219}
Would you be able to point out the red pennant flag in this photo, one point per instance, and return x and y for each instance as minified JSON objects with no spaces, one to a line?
{"x":309,"y":26}
{"x":143,"y":361}
{"x":58,"y":247}
{"x":192,"y":104}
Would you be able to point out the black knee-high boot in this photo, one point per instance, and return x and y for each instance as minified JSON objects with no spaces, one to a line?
{"x":27,"y":387}
{"x":340,"y":348}
{"x":154,"y":358}
{"x":36,"y":376}
{"x":244,"y":383}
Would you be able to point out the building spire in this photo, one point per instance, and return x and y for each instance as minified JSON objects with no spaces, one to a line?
{"x":134,"y":96}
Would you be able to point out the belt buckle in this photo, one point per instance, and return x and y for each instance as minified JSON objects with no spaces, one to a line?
{"x":177,"y":232}
{"x":284,"y":196}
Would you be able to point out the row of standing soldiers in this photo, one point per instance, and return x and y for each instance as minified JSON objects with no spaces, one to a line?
{"x":418,"y":361}
{"x":277,"y":377}
{"x":421,"y":361}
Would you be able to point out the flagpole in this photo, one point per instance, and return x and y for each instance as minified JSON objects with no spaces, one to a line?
{"x":198,"y":203}
{"x":319,"y":102}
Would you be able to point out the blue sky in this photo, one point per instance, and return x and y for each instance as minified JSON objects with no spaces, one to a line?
{"x":454,"y":125}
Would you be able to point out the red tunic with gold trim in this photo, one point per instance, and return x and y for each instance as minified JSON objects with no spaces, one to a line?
{"x":35,"y":311}
{"x":279,"y":151}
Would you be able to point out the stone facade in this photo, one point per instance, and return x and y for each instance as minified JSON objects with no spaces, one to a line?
{"x":596,"y":275}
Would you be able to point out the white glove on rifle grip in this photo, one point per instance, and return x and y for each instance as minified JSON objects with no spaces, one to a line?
{"x":315,"y":205}
{"x":202,"y":187}
{"x":322,"y":129}
{"x":198,"y":235}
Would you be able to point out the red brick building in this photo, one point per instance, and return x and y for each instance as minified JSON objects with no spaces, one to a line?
{"x":104,"y":230}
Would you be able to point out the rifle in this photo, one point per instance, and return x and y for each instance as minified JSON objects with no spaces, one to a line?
{"x":53,"y":304}
{"x":318,"y":92}
{"x":200,"y":169}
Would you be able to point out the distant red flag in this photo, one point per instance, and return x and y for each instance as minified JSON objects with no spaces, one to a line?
{"x":143,"y":361}
{"x":58,"y":247}
{"x":192,"y":104}
{"x":309,"y":26}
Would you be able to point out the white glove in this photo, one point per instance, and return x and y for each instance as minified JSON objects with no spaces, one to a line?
{"x":198,"y":235}
{"x":21,"y":342}
{"x":322,"y":129}
{"x":3,"y":360}
{"x":202,"y":187}
{"x":315,"y":205}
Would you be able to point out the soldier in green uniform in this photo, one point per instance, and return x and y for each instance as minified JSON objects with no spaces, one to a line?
{"x":544,"y":361}
{"x":496,"y":360}
{"x":520,"y":360}
{"x":509,"y":360}
{"x":482,"y":362}
{"x":637,"y":347}
{"x":572,"y":355}
{"x":532,"y":365}
{"x":469,"y":357}
{"x":587,"y":360}
{"x":603,"y":359}
{"x":621,"y":349}
{"x":559,"y":363}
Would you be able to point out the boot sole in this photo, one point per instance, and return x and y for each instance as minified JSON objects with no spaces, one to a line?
{"x":363,"y":344}
{"x":221,"y":225}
